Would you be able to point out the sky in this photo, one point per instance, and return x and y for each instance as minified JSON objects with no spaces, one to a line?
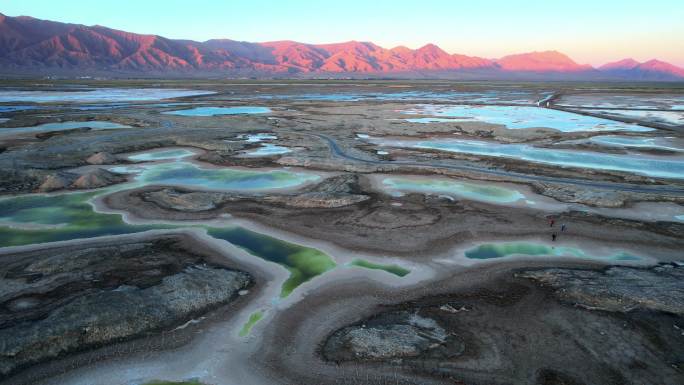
{"x":590,"y":31}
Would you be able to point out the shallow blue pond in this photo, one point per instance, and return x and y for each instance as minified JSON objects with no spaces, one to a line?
{"x":268,"y":149}
{"x":97,"y":95}
{"x":670,"y":167}
{"x":61,"y":126}
{"x":520,"y":117}
{"x":213,"y":111}
{"x":151,"y":156}
{"x":482,"y":192}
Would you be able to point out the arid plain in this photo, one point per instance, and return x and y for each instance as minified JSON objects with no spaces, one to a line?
{"x":341,"y":232}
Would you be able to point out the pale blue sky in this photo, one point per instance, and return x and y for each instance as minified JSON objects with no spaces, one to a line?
{"x":590,"y":31}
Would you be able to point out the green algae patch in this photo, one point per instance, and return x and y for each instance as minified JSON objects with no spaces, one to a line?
{"x":466,"y":190}
{"x":253,"y":319}
{"x":501,"y":250}
{"x":49,"y":218}
{"x":303,"y":263}
{"x":392,"y":269}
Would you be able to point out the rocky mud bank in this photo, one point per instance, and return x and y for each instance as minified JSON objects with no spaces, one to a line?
{"x":617,"y":325}
{"x":57,"y":301}
{"x":346,"y":210}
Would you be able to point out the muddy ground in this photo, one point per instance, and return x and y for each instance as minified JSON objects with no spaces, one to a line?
{"x":488,"y":325}
{"x":513,"y":330}
{"x":498,"y":322}
{"x":412,"y":226}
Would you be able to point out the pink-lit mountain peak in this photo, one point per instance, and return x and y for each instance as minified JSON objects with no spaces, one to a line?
{"x":661,"y":66}
{"x":28,"y":44}
{"x":540,"y":61}
{"x":652,"y":68}
{"x":623,"y":64}
{"x":431,"y":49}
{"x":401,"y":49}
{"x":655,"y":63}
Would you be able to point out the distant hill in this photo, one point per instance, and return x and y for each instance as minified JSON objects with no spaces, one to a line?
{"x":34,"y":46}
{"x":650,"y":70}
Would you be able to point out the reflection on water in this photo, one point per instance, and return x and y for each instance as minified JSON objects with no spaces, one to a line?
{"x":61,"y":126}
{"x":502,"y":250}
{"x":664,"y":167}
{"x":213,"y":111}
{"x":518,"y":117}
{"x":97,"y":95}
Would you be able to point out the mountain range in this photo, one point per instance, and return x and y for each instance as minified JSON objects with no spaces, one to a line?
{"x":34,"y":46}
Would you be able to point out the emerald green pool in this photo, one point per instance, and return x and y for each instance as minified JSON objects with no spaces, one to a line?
{"x":43,"y":218}
{"x":50,"y":218}
{"x":392,"y":269}
{"x":253,"y":319}
{"x":303,"y":263}
{"x":502,"y":250}
{"x":182,"y":173}
{"x":474,"y":191}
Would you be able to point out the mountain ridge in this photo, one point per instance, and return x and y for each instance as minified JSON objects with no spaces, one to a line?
{"x":33,"y":45}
